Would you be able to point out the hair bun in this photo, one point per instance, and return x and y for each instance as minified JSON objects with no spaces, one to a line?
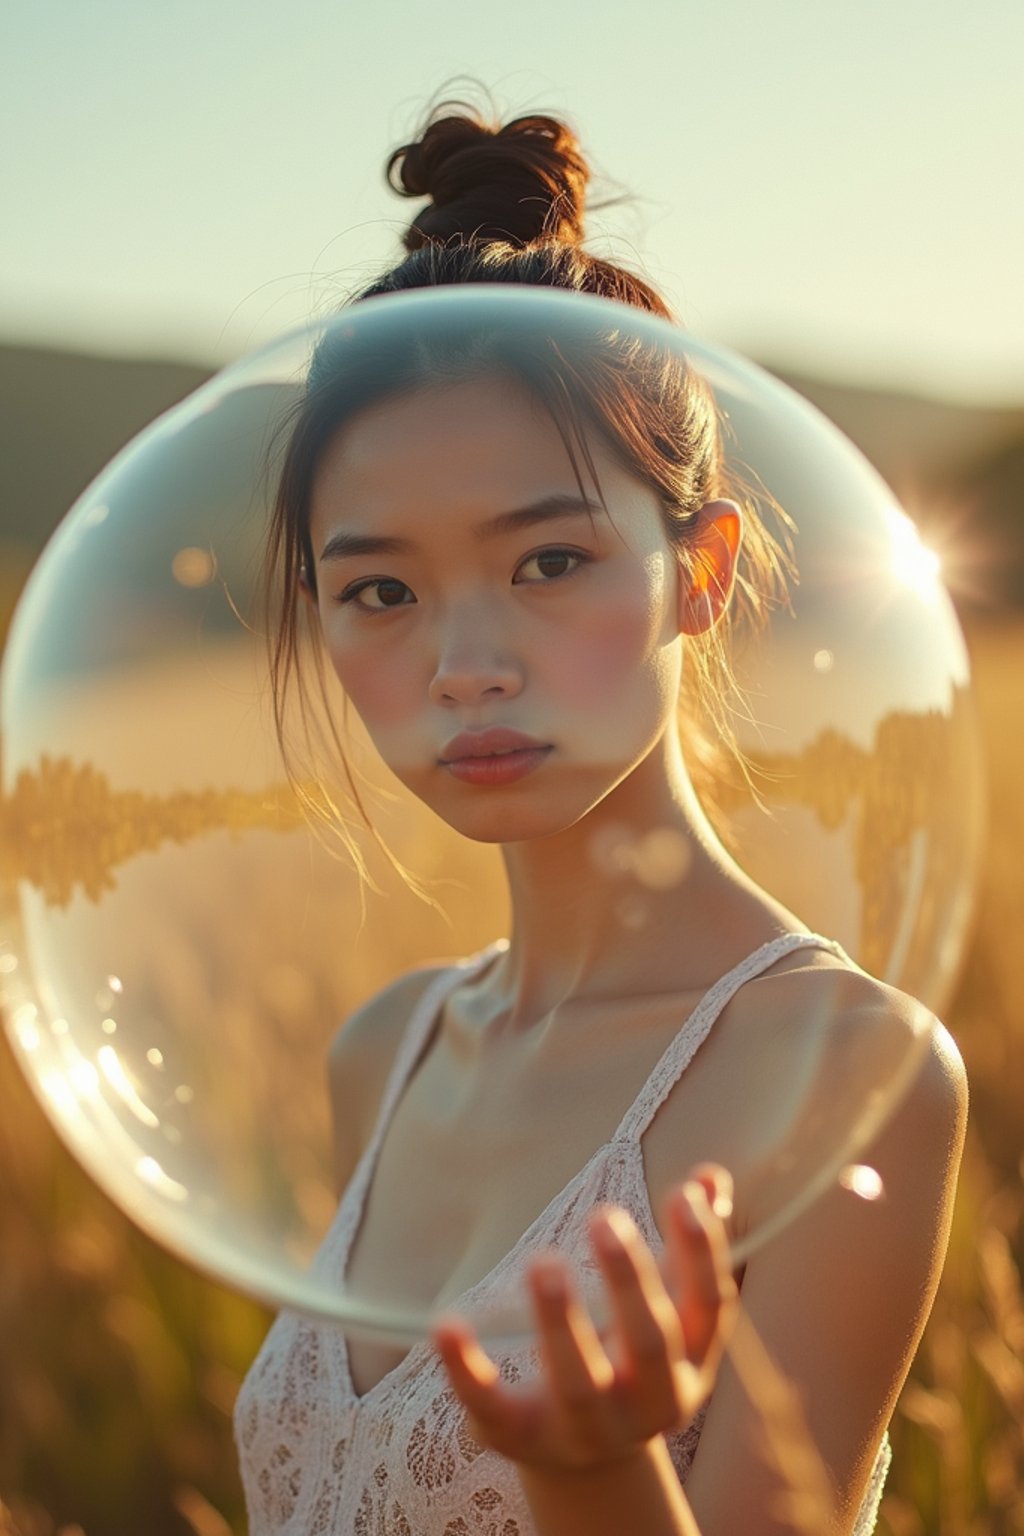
{"x":519,"y":183}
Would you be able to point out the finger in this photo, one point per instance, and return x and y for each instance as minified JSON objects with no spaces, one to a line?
{"x":717,"y":1183}
{"x":648,"y":1330}
{"x":703,"y":1283}
{"x":494,"y":1413}
{"x":577,"y":1367}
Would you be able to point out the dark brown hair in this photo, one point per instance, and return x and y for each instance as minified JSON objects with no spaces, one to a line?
{"x":506,"y":205}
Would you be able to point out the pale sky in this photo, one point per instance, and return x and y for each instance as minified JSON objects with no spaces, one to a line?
{"x":834,"y":186}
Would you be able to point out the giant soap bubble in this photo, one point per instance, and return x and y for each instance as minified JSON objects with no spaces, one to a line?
{"x":179,"y":937}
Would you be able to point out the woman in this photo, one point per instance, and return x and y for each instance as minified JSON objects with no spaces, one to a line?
{"x":505,"y":573}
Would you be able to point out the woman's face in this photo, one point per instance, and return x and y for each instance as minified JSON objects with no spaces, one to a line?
{"x":465,"y":587}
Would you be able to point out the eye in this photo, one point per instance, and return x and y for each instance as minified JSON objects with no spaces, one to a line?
{"x":549,"y":565}
{"x":387,"y":590}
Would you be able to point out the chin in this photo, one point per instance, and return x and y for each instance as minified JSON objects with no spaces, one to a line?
{"x":516,"y":813}
{"x":497,"y":818}
{"x":506,"y":829}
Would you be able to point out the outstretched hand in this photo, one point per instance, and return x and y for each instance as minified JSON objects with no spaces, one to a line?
{"x":600,"y":1395}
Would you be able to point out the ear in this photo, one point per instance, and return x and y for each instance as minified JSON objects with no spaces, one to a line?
{"x":706,"y":584}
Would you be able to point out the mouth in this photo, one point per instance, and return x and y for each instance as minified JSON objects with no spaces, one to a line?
{"x":495,"y":756}
{"x":497,"y":741}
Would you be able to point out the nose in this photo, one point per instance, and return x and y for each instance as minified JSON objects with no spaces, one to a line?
{"x":472,"y":662}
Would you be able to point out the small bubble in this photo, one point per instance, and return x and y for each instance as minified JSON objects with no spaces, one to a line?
{"x":115,"y":984}
{"x":172,"y":1134}
{"x":823,"y":661}
{"x":183,"y":1093}
{"x":59,"y":1027}
{"x":109,"y":1026}
{"x":155,"y":1057}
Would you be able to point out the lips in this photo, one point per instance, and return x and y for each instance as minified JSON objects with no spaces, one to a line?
{"x":494,"y":757}
{"x":498,"y":741}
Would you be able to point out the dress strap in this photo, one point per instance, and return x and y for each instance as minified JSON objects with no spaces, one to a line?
{"x":684,"y":1046}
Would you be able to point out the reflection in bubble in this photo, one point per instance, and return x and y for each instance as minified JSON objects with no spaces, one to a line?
{"x":25,"y":1027}
{"x":57,"y":1091}
{"x":85,"y":1078}
{"x":151,"y":1172}
{"x":113,"y":1071}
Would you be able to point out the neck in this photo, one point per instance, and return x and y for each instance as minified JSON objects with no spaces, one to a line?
{"x":631,"y":899}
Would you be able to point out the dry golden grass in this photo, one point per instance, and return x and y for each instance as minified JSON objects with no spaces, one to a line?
{"x":958,"y":1436}
{"x":118,"y":1367}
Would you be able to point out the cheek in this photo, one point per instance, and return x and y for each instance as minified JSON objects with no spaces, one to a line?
{"x":618,"y":646}
{"x":377,"y":684}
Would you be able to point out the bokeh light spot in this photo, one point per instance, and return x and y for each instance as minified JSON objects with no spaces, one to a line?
{"x":863,"y":1181}
{"x":194,"y":567}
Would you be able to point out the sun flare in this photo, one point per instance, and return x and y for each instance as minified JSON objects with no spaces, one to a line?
{"x":913,"y":563}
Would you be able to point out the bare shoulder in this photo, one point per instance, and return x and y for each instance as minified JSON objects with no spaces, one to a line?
{"x":891,"y":1039}
{"x":825,"y":995}
{"x":360,"y":1058}
{"x":938,"y":1089}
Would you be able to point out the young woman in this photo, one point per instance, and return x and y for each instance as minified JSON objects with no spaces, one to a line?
{"x":507,"y":587}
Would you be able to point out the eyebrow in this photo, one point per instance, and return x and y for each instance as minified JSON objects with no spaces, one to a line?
{"x":342,"y":545}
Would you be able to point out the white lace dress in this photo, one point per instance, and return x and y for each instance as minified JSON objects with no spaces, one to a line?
{"x":319,"y":1460}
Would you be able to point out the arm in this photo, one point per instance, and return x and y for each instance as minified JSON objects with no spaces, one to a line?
{"x":838,"y":1301}
{"x":640,"y":1494}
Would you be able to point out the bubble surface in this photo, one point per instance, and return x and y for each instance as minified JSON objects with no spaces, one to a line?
{"x":178,"y":945}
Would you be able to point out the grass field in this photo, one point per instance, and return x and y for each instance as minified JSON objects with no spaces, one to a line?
{"x":119,"y":1367}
